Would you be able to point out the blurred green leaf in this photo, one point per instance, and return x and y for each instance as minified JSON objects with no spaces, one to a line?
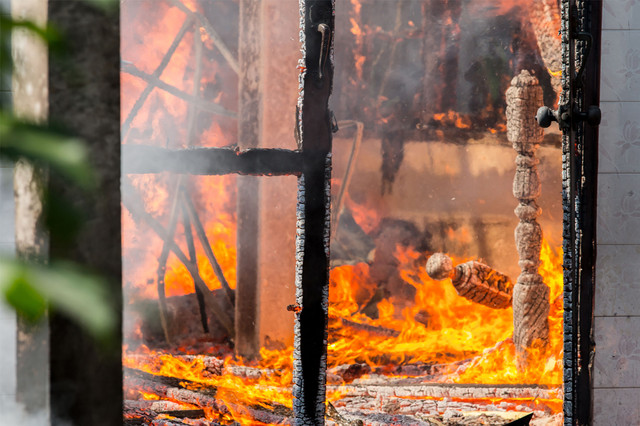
{"x":66,"y":154}
{"x":24,"y":298}
{"x":48,"y":34}
{"x":79,"y":295}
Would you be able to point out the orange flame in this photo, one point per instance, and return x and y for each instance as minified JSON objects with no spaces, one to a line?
{"x":437,"y":327}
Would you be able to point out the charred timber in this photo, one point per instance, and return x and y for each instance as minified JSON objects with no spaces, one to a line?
{"x":142,"y":159}
{"x":408,"y":388}
{"x":210,"y":364}
{"x":530,"y":294}
{"x":137,"y":210}
{"x":200,"y":399}
{"x":190,"y":211}
{"x":313,"y":212}
{"x":192,"y":256}
{"x":174,"y":389}
{"x":175,"y":393}
{"x":373,"y":330}
{"x":473,"y":280}
{"x":164,"y":407}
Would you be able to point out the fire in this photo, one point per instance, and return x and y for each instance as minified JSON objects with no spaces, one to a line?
{"x":470,"y":343}
{"x":555,"y":73}
{"x":453,"y":119}
{"x":269,"y":388}
{"x":442,"y":327}
{"x":355,"y":28}
{"x":161,"y":41}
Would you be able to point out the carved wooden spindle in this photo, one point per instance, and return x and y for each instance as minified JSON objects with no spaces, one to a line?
{"x":530,"y":294}
{"x":473,"y":280}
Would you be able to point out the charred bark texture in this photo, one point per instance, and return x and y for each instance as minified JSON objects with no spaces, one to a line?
{"x":313,"y":212}
{"x":531,"y":294}
{"x":473,"y":280}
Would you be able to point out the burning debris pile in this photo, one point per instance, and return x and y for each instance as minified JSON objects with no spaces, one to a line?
{"x":410,"y":366}
{"x":403,"y":348}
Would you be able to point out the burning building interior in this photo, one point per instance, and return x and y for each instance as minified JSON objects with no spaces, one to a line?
{"x":345,"y":212}
{"x":429,"y":101}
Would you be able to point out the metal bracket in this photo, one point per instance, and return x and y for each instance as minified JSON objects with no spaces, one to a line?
{"x":567,"y":114}
{"x":563,"y":117}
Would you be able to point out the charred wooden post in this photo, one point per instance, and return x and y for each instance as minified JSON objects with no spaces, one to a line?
{"x":473,"y":280}
{"x":530,"y":294}
{"x":313,"y":212}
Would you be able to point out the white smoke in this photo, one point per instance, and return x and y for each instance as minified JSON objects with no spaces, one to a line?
{"x":14,"y":414}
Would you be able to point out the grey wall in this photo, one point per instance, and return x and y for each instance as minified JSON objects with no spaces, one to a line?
{"x":7,"y":248}
{"x":617,"y":299}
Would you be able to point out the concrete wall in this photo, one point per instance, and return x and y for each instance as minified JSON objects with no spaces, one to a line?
{"x":7,"y":248}
{"x":617,"y":305}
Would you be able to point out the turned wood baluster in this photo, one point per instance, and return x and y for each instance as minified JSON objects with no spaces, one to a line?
{"x":530,"y":294}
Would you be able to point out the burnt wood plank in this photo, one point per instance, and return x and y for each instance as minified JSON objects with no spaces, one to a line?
{"x":141,"y":159}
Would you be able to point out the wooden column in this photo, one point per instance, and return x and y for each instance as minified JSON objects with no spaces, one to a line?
{"x":530,"y":294}
{"x":266,"y":205}
{"x":30,"y":102}
{"x":84,"y":96}
{"x":247,"y":342}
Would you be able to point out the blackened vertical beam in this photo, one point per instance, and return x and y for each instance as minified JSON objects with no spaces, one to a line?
{"x":568,"y":246}
{"x":84,"y":95}
{"x":580,"y":156}
{"x":247,"y":342}
{"x":590,"y":21}
{"x":312,"y":245}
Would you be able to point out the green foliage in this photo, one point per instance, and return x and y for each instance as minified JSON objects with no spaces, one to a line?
{"x":63,"y":287}
{"x":64,"y":154}
{"x":49,"y":35}
{"x":70,"y":290}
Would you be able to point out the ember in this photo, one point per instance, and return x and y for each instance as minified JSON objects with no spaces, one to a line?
{"x":402,"y":348}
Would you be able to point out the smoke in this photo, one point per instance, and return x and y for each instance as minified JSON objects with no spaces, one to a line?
{"x":14,"y":413}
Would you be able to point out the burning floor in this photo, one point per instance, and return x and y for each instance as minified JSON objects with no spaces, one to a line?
{"x":422,"y":365}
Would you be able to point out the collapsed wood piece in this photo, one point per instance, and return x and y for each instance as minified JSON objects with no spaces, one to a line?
{"x":176,"y":393}
{"x":206,"y":245}
{"x":530,"y":294}
{"x":418,"y":388}
{"x":339,"y":419}
{"x":191,"y":247}
{"x":157,"y":406}
{"x":473,"y":280}
{"x":204,"y":399}
{"x":167,"y":422}
{"x":162,"y":263}
{"x":374,"y":330}
{"x":211,"y":365}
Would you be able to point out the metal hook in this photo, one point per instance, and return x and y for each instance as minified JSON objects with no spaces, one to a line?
{"x":324,"y":47}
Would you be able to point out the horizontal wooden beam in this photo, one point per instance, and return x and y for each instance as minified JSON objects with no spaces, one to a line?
{"x":141,"y":159}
